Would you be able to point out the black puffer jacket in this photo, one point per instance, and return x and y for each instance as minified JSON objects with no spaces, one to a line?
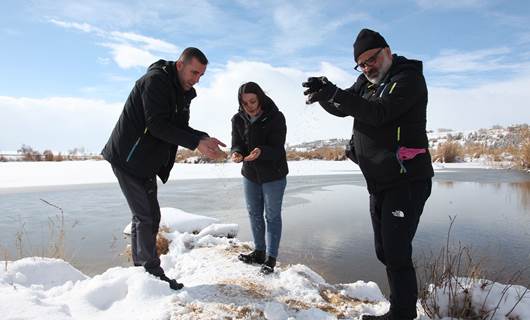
{"x":267,"y":133}
{"x":153,"y":123}
{"x":387,"y":116}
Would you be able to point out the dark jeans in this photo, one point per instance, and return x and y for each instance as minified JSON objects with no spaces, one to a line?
{"x":395,"y":216}
{"x":267,"y":196}
{"x":141,"y":195}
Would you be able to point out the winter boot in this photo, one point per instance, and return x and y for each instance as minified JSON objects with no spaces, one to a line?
{"x":268,"y":265}
{"x":256,"y":256}
{"x":173,"y":284}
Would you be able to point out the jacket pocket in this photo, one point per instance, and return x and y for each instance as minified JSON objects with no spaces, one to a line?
{"x":147,"y":155}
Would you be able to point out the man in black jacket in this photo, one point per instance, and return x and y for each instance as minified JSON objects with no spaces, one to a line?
{"x":144,"y":143}
{"x":389,"y":143}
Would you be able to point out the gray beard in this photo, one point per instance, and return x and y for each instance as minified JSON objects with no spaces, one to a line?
{"x":387,"y":63}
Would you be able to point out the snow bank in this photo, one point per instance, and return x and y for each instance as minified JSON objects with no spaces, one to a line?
{"x":217,"y":286}
{"x":180,"y":220}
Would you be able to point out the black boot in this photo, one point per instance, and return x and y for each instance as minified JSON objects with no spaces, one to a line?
{"x":268,"y":265}
{"x":386,"y":316}
{"x":173,"y":284}
{"x":256,"y":256}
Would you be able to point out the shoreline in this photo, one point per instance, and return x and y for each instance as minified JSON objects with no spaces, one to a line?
{"x":24,"y":175}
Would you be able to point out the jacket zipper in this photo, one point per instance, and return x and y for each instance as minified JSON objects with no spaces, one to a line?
{"x":129,"y":156}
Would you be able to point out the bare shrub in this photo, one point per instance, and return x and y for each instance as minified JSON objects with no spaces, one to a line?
{"x":162,"y":243}
{"x":449,"y":151}
{"x":57,"y":233}
{"x":475,"y":150}
{"x":523,"y":154}
{"x":48,"y":155}
{"x":28,"y":154}
{"x":323,"y":153}
{"x":451,"y":280}
{"x":54,"y":248}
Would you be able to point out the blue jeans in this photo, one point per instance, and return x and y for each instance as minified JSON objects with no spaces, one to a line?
{"x":268,"y":196}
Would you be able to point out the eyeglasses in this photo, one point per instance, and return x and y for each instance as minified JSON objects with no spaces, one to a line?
{"x":368,"y":62}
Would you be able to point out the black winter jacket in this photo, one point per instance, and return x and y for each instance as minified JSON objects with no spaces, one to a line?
{"x":387,"y":116}
{"x":153,"y":123}
{"x":267,"y":133}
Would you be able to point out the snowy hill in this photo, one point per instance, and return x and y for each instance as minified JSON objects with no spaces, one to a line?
{"x":495,"y":137}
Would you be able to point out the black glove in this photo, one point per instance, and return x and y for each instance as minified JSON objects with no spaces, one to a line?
{"x":320,"y":89}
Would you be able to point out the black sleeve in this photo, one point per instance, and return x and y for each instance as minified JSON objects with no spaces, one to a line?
{"x":198,"y":133}
{"x":332,"y":109}
{"x":156,"y":99}
{"x":274,"y":149}
{"x":396,"y":98}
{"x":238,"y":144}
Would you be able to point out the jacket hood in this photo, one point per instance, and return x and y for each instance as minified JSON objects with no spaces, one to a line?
{"x":400,"y":63}
{"x":170,"y":68}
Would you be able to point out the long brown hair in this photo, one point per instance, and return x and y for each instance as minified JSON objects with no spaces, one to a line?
{"x":252,"y":87}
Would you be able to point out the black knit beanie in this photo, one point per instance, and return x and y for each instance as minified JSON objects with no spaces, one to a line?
{"x":366,"y":40}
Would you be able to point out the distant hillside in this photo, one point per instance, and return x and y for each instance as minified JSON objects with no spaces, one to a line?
{"x":508,"y":146}
{"x":496,"y":137}
{"x":313,"y":145}
{"x":497,"y":144}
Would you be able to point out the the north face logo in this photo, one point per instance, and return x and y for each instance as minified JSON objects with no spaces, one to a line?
{"x":398,"y":213}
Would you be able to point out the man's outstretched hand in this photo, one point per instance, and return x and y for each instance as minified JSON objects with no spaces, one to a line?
{"x":210,"y":148}
{"x":319,"y":89}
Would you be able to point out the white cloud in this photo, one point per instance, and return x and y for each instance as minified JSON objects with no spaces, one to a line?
{"x":449,"y":4}
{"x":62,"y":123}
{"x":176,"y":16}
{"x":85,"y":27}
{"x":57,"y":123}
{"x":452,"y":61}
{"x":128,"y":49}
{"x":95,"y":12}
{"x":306,"y":28}
{"x":217,"y":103}
{"x":502,"y":103}
{"x":128,"y":56}
{"x":148,"y":43}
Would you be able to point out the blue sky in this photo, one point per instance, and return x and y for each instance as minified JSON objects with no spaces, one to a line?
{"x":68,"y":66}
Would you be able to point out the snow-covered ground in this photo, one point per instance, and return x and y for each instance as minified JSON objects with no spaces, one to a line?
{"x":35,"y":174}
{"x":203,"y":255}
{"x":217,"y":286}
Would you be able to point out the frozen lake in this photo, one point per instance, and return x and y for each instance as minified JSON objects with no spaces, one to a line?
{"x":326,"y":221}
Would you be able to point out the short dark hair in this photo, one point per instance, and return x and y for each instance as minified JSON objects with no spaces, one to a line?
{"x":251,"y":87}
{"x":192,"y":52}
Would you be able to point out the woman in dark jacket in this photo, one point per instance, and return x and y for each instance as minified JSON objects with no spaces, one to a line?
{"x":258,"y":138}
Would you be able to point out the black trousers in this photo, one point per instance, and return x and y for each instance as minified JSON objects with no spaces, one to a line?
{"x":141,"y":195}
{"x":395,"y":216}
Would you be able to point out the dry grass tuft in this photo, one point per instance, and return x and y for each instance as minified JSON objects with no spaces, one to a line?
{"x":162,"y":243}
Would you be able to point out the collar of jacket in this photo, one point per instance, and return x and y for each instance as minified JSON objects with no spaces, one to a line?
{"x":400,"y":63}
{"x":268,"y":110}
